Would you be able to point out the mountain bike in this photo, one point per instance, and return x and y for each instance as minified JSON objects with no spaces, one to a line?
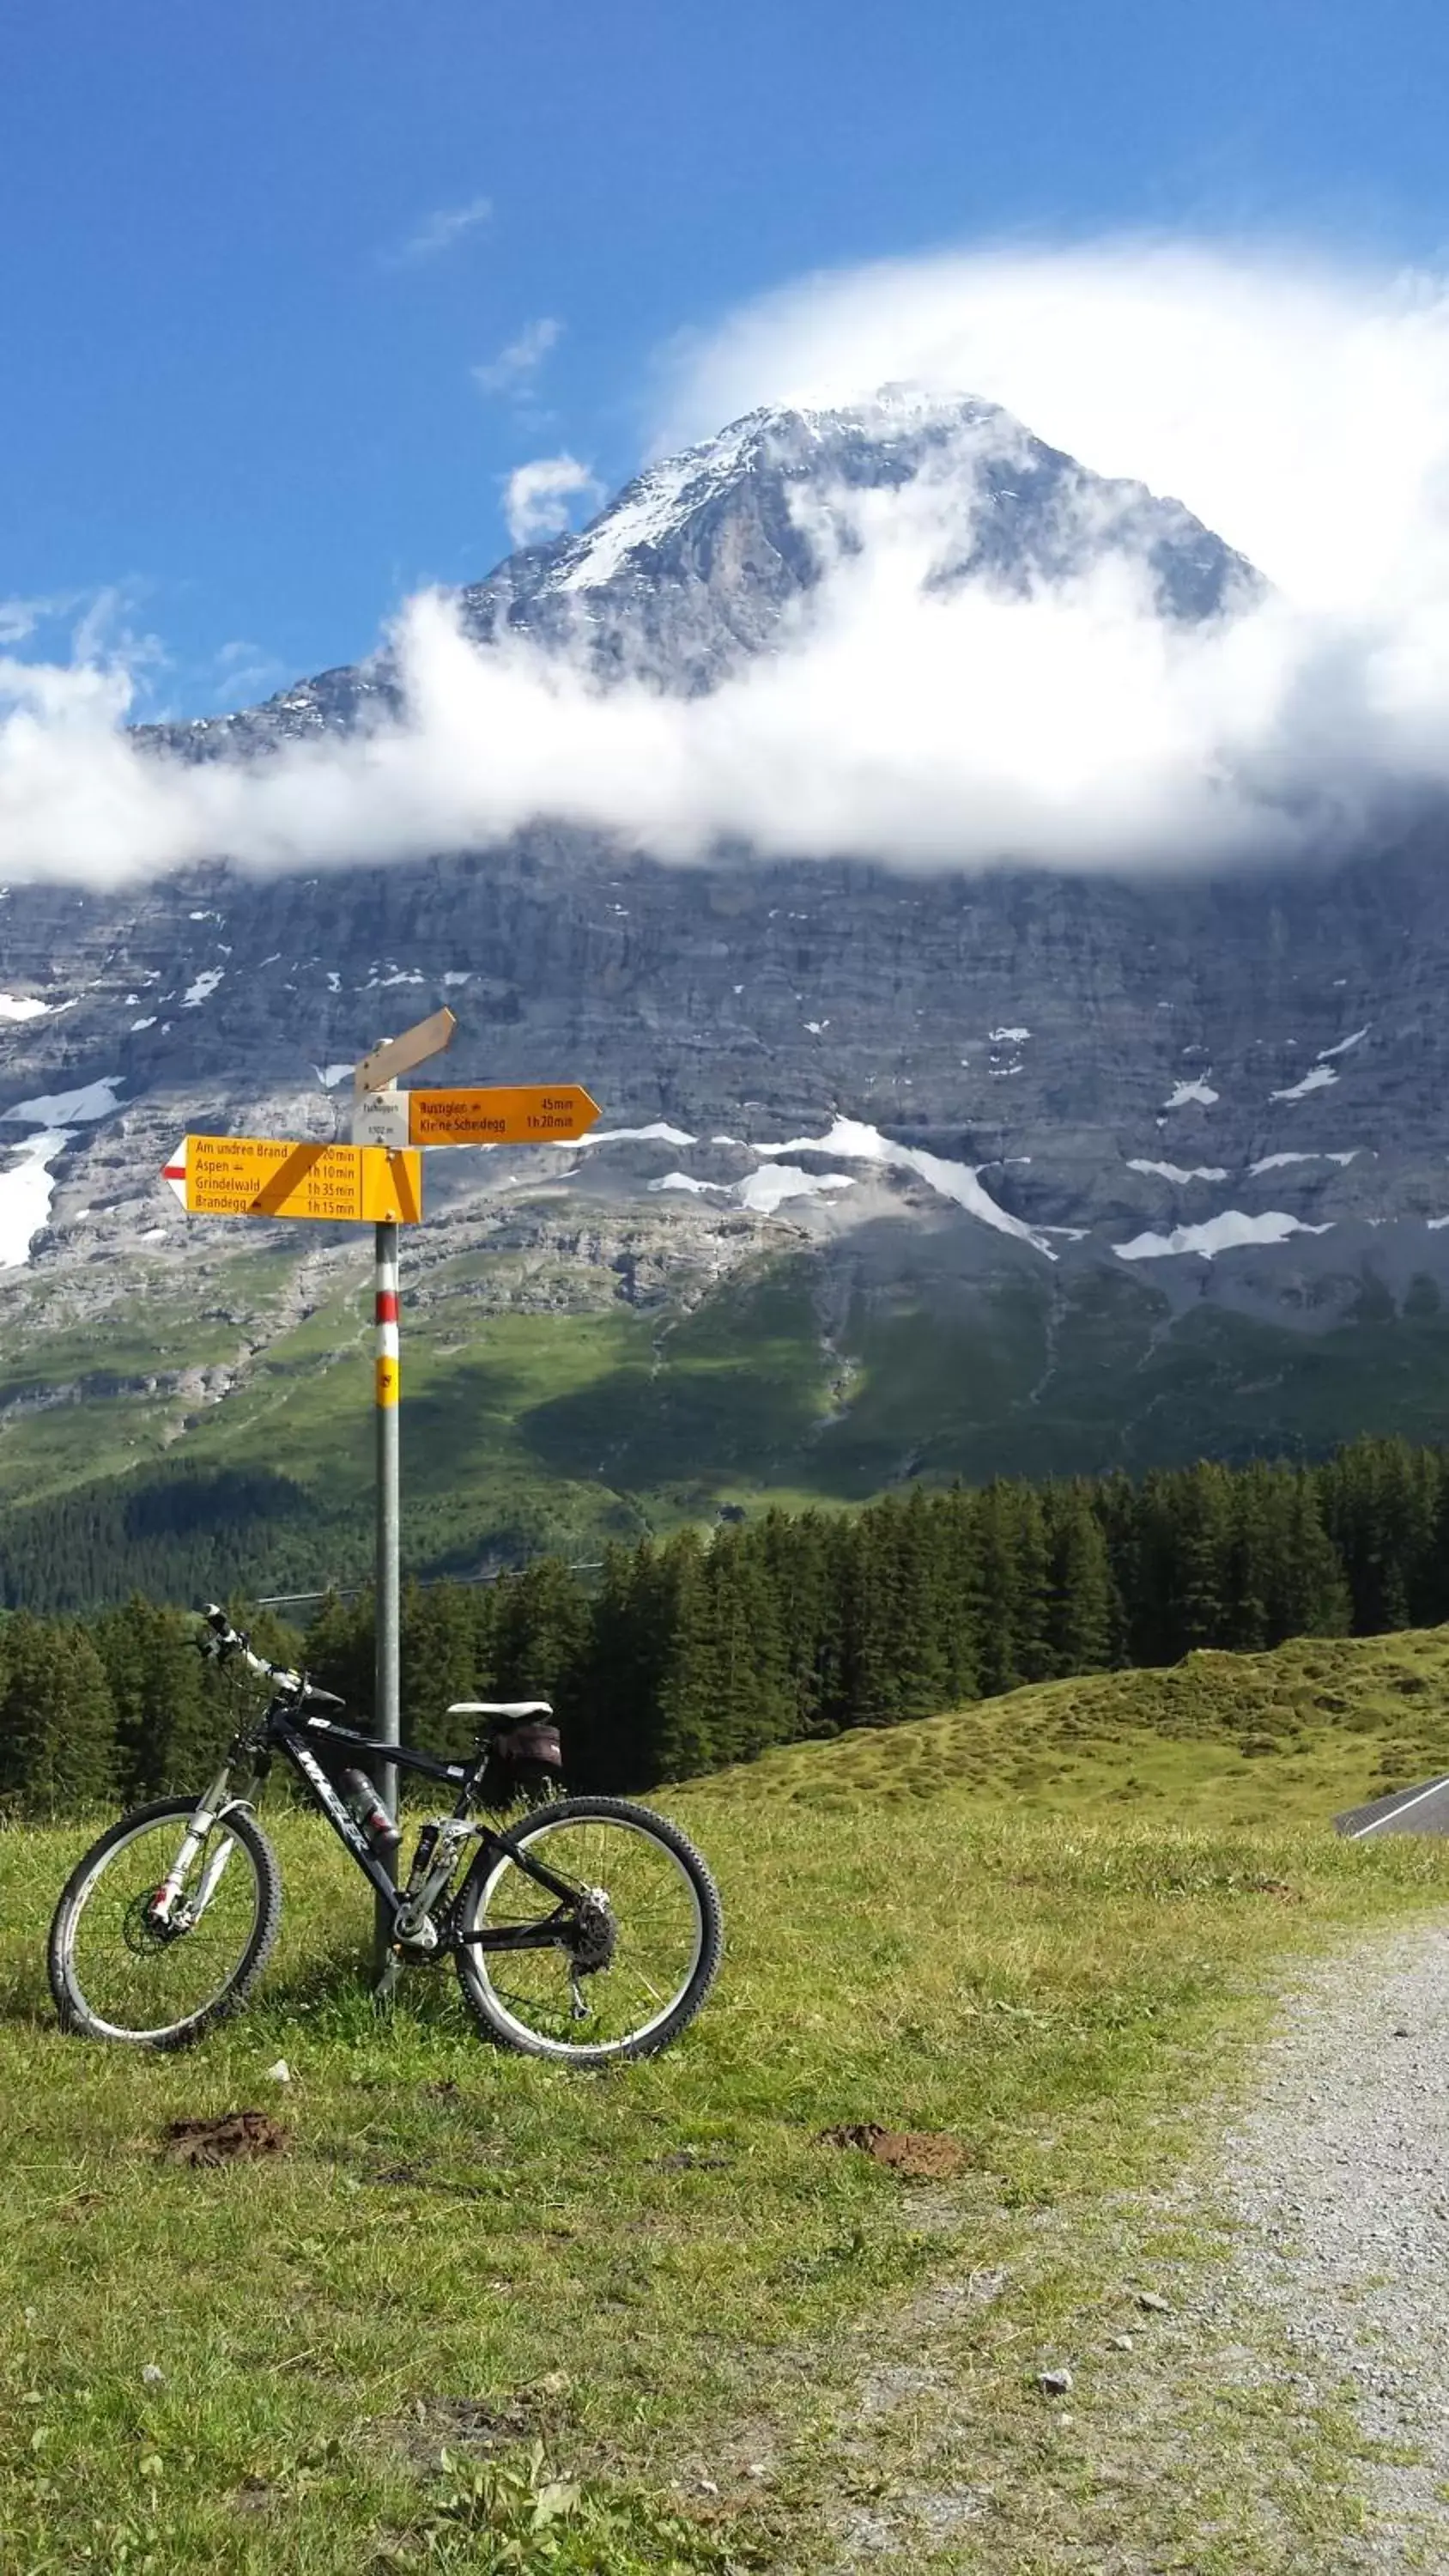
{"x":588,"y":1930}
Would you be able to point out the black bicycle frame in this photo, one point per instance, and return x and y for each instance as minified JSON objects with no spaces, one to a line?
{"x":292,"y":1733}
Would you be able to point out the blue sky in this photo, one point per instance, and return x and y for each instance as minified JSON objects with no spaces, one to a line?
{"x":257,"y":257}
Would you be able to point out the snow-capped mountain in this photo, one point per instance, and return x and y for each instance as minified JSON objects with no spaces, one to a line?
{"x":696,"y":563}
{"x":1225,"y":1091}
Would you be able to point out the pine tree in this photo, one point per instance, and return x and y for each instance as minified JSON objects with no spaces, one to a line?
{"x":541,"y":1619}
{"x":595,"y":1719}
{"x":439,"y":1658}
{"x":960,"y":1605}
{"x":1201,"y":1550}
{"x":727,"y":1695}
{"x":998,"y":1565}
{"x":871,"y":1619}
{"x":1033,"y":1649}
{"x":1314,"y":1601}
{"x":1086,"y":1612}
{"x":57,"y":1724}
{"x":796,"y":1555}
{"x":338,"y":1651}
{"x":172,"y":1722}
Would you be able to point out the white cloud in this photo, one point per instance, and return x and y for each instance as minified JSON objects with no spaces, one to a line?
{"x":1301,"y":409}
{"x":241,"y":670}
{"x":19,"y":618}
{"x":1302,"y":413}
{"x":537,"y":495}
{"x":516,"y":366}
{"x":440,"y":230}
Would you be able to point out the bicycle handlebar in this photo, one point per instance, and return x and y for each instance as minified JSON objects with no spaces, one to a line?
{"x":293,"y":1685}
{"x":230,"y":1641}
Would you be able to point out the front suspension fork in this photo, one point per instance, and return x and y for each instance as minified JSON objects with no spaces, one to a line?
{"x":204,"y":1817}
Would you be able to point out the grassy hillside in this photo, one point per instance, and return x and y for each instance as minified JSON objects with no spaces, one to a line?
{"x":1043,"y":1928}
{"x":547,"y":1410}
{"x":543,"y":1408}
{"x":1276,"y":1740}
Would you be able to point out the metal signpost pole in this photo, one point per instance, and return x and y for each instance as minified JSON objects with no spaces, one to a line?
{"x":387,"y":1668}
{"x":379,"y":1118}
{"x":377,"y":1180}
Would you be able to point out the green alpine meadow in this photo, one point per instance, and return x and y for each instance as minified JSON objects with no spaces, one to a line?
{"x":473,"y":2311}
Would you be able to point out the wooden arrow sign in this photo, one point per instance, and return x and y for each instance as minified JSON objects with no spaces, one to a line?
{"x":501,"y":1114}
{"x":399,"y":1055}
{"x":271,"y":1176}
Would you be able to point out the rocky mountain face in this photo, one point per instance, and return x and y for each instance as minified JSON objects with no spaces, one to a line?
{"x":697,"y":563}
{"x":1225,"y":1092}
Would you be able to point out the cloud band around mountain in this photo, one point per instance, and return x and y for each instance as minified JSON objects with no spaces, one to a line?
{"x":1304,"y":416}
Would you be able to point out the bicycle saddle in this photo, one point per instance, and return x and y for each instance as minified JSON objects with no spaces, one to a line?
{"x":505,"y":1712}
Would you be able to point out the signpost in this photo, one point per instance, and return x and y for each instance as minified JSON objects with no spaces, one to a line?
{"x":377,"y":1180}
{"x":399,"y":1055}
{"x":551,"y":1114}
{"x":378,"y":1114}
{"x":269,"y":1176}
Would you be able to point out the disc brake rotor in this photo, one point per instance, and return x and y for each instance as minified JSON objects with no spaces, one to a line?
{"x":143,"y":1931}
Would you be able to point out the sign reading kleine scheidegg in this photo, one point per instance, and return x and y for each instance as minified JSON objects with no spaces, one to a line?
{"x":549,"y":1113}
{"x":276,"y":1176}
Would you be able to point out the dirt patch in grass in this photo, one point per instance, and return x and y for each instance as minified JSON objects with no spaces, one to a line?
{"x":235,"y":2137}
{"x":917,"y":2155}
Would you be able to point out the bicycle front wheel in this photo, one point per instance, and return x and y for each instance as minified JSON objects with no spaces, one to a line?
{"x":618,"y":1968}
{"x":122,"y":1970}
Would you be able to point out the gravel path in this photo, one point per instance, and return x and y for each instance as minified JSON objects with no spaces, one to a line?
{"x":1202,"y":2419}
{"x":1338,"y":2173}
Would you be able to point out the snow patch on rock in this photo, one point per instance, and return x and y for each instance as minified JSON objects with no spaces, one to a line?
{"x":1280,"y":1162}
{"x":26,"y":1190}
{"x":762,"y":1191}
{"x":1317,"y":1080}
{"x":1226,"y":1233}
{"x":851,"y":1141}
{"x":69,"y":1108}
{"x":768,"y":1188}
{"x":651,"y":508}
{"x":658,"y":1133}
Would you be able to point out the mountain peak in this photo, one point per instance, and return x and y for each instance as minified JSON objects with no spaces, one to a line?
{"x":801,"y":444}
{"x":697,"y":563}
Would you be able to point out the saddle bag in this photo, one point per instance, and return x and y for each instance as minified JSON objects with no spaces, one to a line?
{"x":524,"y":1765}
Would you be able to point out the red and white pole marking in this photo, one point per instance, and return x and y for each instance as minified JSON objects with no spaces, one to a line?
{"x":389,"y":1356}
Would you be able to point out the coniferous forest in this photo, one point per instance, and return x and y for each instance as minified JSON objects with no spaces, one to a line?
{"x":680,"y":1655}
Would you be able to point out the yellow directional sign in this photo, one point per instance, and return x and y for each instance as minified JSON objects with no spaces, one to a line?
{"x":501,"y":1114}
{"x":270,"y":1176}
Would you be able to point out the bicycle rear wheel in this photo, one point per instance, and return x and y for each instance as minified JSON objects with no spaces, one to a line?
{"x":118,"y":1972}
{"x":624,"y":1967}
